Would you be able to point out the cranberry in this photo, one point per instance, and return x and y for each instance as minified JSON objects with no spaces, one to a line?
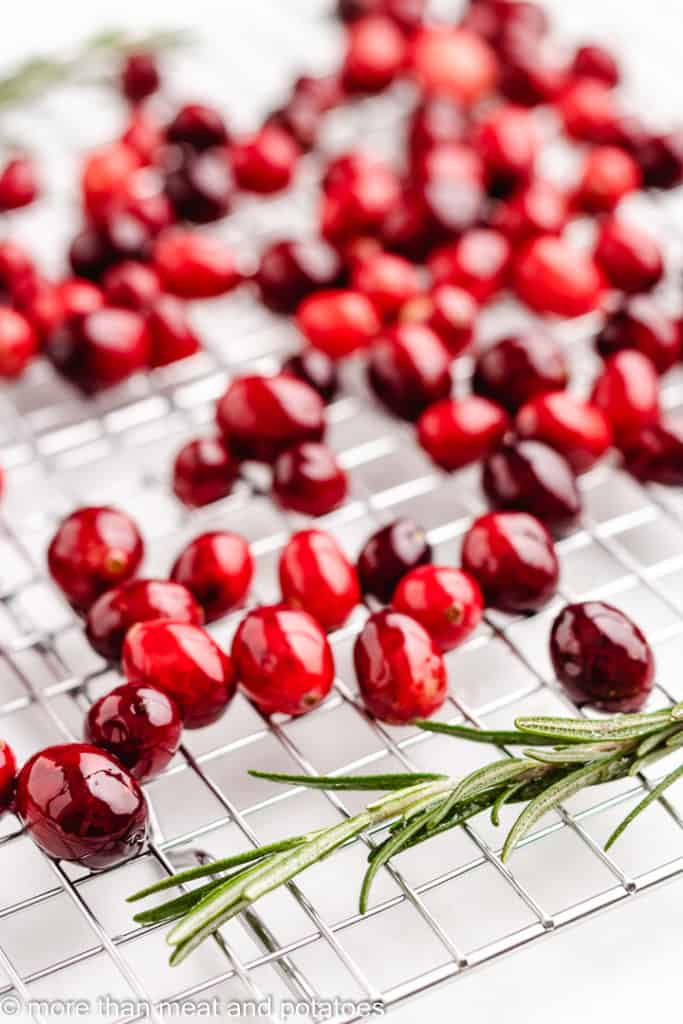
{"x":204,"y":471}
{"x":660,"y":158}
{"x":401,"y":674}
{"x":199,"y":185}
{"x":359,"y":194}
{"x":140,"y":725}
{"x":453,"y":62}
{"x":536,"y":208}
{"x":654,"y":452}
{"x":508,"y":142}
{"x":406,"y":13}
{"x":338,"y":322}
{"x":477,"y":262}
{"x":130,"y":285}
{"x":197,"y":126}
{"x":112,"y":615}
{"x":18,"y":343}
{"x":144,"y":135}
{"x":594,"y":61}
{"x":608,"y":175}
{"x":94,"y":549}
{"x":627,"y":391}
{"x":308,"y":479}
{"x":552,"y":277}
{"x":446,"y":602}
{"x":8,"y":776}
{"x":18,"y":184}
{"x":630,"y":258}
{"x":512,"y":557}
{"x":217,"y":569}
{"x":590,"y":112}
{"x":39,"y":301}
{"x":283,"y":660}
{"x":139,"y":76}
{"x":291,"y":270}
{"x":171,"y":337}
{"x":388,"y":555}
{"x":528,"y":476}
{"x":531,"y":75}
{"x":375,"y":54}
{"x":100,"y":349}
{"x":195,"y":266}
{"x":79,"y":803}
{"x":90,"y":255}
{"x":456,"y":432}
{"x":77,"y":297}
{"x":260,"y":417}
{"x":266,"y":161}
{"x":519,"y":367}
{"x":435,"y":121}
{"x":639,"y":323}
{"x":601,"y":657}
{"x":408,"y":369}
{"x":448,"y":162}
{"x":506,"y":24}
{"x":388,"y":281}
{"x":450,"y":312}
{"x":302,"y":113}
{"x":576,"y":429}
{"x":316,"y":369}
{"x":316,"y":575}
{"x":106,"y":176}
{"x":15,"y":265}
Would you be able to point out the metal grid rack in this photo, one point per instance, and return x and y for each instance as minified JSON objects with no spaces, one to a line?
{"x":65,"y":933}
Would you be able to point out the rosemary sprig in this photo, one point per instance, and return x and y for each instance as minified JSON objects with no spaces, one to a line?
{"x":560,"y":757}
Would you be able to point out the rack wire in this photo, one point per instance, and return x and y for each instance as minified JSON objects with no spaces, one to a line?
{"x":66,"y":934}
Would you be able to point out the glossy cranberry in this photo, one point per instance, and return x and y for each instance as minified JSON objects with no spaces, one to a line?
{"x":531,"y":75}
{"x":601,"y":657}
{"x":358,"y":195}
{"x":448,"y":162}
{"x":655,"y":452}
{"x":519,"y":367}
{"x":450,"y":312}
{"x":456,"y":432}
{"x":171,"y":337}
{"x":506,"y":24}
{"x":316,"y":575}
{"x":139,"y":76}
{"x":100,"y":349}
{"x":144,"y":135}
{"x":131,"y":285}
{"x":528,"y":476}
{"x":401,"y":674}
{"x":627,"y":391}
{"x":142,"y":202}
{"x":338,"y":322}
{"x":184,"y":662}
{"x":608,"y":175}
{"x":408,"y":369}
{"x":375,"y":54}
{"x":307,"y":478}
{"x":195,"y":266}
{"x":8,"y":776}
{"x":639,"y":323}
{"x":660,"y":158}
{"x":508,"y":142}
{"x":630,"y":258}
{"x":408,"y":14}
{"x":199,"y":185}
{"x":139,"y":724}
{"x":590,"y":112}
{"x":446,"y":602}
{"x":15,"y":265}
{"x":432,"y":212}
{"x":106,"y":176}
{"x":197,"y":126}
{"x":435,"y":121}
{"x":576,"y":429}
{"x":550,"y":276}
{"x":259,"y":417}
{"x":283,"y":660}
{"x":453,"y":62}
{"x":90,"y":256}
{"x":536,"y":208}
{"x":594,"y":61}
{"x":264,"y":162}
{"x":291,"y":270}
{"x":217,"y":568}
{"x":478,"y":262}
{"x":389,"y":282}
{"x":79,"y":803}
{"x":311,"y":97}
{"x":39,"y":301}
{"x":112,"y":615}
{"x":18,"y":184}
{"x":93,"y":549}
{"x":316,"y":369}
{"x":77,"y":297}
{"x":204,"y":471}
{"x":388,"y":555}
{"x":18,"y":343}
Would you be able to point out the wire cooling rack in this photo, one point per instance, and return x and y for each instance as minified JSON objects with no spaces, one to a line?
{"x":66,"y":935}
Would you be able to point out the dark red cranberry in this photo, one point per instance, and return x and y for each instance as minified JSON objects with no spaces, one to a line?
{"x":204,"y":471}
{"x":139,"y":724}
{"x":148,"y":206}
{"x":375,"y":54}
{"x":590,"y":112}
{"x":8,"y":776}
{"x":453,"y":62}
{"x":90,"y":256}
{"x":283,"y":660}
{"x":389,"y":281}
{"x":125,"y":235}
{"x":106,"y":176}
{"x":307,"y":478}
{"x":449,"y":311}
{"x":435,"y":121}
{"x":316,"y":575}
{"x":536,"y":208}
{"x":627,"y":391}
{"x":388,"y":555}
{"x":577,"y":429}
{"x":477,"y":262}
{"x":291,"y":270}
{"x":139,"y":76}
{"x":639,"y":323}
{"x":519,"y":367}
{"x":100,"y":349}
{"x":315,"y":368}
{"x":446,"y":601}
{"x":456,"y":432}
{"x":199,"y":185}
{"x":550,"y":276}
{"x":401,"y":674}
{"x":184,"y":662}
{"x":93,"y":549}
{"x":531,"y":75}
{"x":77,"y":297}
{"x":655,"y":452}
{"x":259,"y":417}
{"x":171,"y":337}
{"x":18,"y":184}
{"x":512,"y":557}
{"x":528,"y":476}
{"x":79,"y":803}
{"x":593,"y":61}
{"x":197,"y":126}
{"x":408,"y":14}
{"x":144,"y":135}
{"x":338,"y":322}
{"x":432,"y":212}
{"x":131,"y":285}
{"x":408,"y":369}
{"x":601,"y":657}
{"x":507,"y":24}
{"x":608,"y":175}
{"x":508,"y":142}
{"x":112,"y":615}
{"x":301,"y":115}
{"x":266,"y":161}
{"x":217,"y":568}
{"x":660,"y":158}
{"x":195,"y":266}
{"x":359,"y":194}
{"x":630,"y":257}
{"x":18,"y":343}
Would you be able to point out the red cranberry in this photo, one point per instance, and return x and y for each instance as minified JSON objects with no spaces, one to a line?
{"x":144,"y":135}
{"x":531,"y":75}
{"x":408,"y":14}
{"x":94,"y":549}
{"x":78,"y":297}
{"x":184,"y":662}
{"x":100,"y":349}
{"x":171,"y":337}
{"x":283,"y":660}
{"x":375,"y":54}
{"x":536,"y":208}
{"x":359,"y":195}
{"x":450,"y":312}
{"x":199,"y":185}
{"x":302,"y":113}
{"x":448,"y":163}
{"x":594,"y":61}
{"x":338,"y":322}
{"x":18,"y":343}
{"x":552,"y":277}
{"x":79,"y":803}
{"x":204,"y":471}
{"x":316,"y":575}
{"x":260,"y":417}
{"x":601,"y":657}
{"x":456,"y":432}
{"x":477,"y":262}
{"x":217,"y":568}
{"x":140,"y":725}
{"x":630,"y":258}
{"x":18,"y":184}
{"x":590,"y":112}
{"x":388,"y":555}
{"x":308,"y":479}
{"x":435,"y":121}
{"x":528,"y":476}
{"x":627,"y":391}
{"x":660,"y":158}
{"x":197,"y":126}
{"x":195,"y":266}
{"x":139,"y":76}
{"x":447,"y":602}
{"x":453,"y":62}
{"x":316,"y":369}
{"x":639,"y":323}
{"x":131,"y":285}
{"x":519,"y":367}
{"x":508,"y":142}
{"x":291,"y":270}
{"x":90,"y":255}
{"x":39,"y":301}
{"x":106,"y":176}
{"x":401,"y":674}
{"x":408,"y":369}
{"x":15,"y":265}
{"x":655,"y":452}
{"x":576,"y":429}
{"x":608,"y":175}
{"x":512,"y":557}
{"x":266,"y":161}
{"x":8,"y":776}
{"x":506,"y":24}
{"x":112,"y":615}
{"x":389,"y":281}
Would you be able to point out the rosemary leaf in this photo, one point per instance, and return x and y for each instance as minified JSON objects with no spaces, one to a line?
{"x":502,"y":799}
{"x":653,"y":795}
{"x":499,"y":737}
{"x":579,"y":753}
{"x":388,"y":848}
{"x":652,"y":741}
{"x":583,"y":730}
{"x":177,"y":906}
{"x":400,"y":780}
{"x":489,"y":777}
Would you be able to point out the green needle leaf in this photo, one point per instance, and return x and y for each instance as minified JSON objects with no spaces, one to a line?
{"x":502,"y":799}
{"x":388,"y":848}
{"x":178,"y":906}
{"x":580,"y":752}
{"x":499,"y":737}
{"x":583,"y":730}
{"x":653,"y":795}
{"x":400,"y":780}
